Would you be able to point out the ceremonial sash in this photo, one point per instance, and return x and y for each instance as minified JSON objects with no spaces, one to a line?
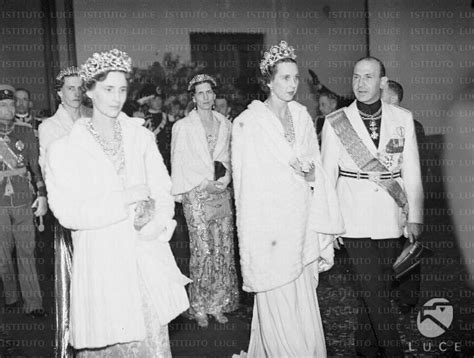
{"x":364,"y":159}
{"x":7,"y":155}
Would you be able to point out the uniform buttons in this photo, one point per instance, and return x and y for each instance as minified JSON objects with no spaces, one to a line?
{"x":376,"y":189}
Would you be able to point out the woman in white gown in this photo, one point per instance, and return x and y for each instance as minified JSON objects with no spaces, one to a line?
{"x":286,"y":215}
{"x":125,"y":284}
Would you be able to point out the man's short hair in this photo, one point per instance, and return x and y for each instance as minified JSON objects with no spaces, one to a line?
{"x":396,"y":88}
{"x":372,"y":58}
{"x":329,"y":95}
{"x":24,"y":90}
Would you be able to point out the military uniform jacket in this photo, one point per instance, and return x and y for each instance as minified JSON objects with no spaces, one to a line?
{"x":367,"y":209}
{"x":22,"y":141}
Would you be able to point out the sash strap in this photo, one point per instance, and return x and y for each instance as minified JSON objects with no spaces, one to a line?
{"x":364,"y":159}
{"x":7,"y":155}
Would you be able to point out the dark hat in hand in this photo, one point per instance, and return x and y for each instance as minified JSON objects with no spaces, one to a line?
{"x":411,"y":256}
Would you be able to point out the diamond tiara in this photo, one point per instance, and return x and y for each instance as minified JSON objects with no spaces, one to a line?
{"x":201,"y":78}
{"x":68,"y":71}
{"x":274,"y":54}
{"x":113,"y":60}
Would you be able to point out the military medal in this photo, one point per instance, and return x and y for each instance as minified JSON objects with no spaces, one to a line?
{"x":374,"y":122}
{"x":21,"y":158}
{"x":20,"y":145}
{"x":373,"y":130}
{"x":401,"y":132}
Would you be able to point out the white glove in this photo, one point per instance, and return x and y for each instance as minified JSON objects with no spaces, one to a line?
{"x":41,"y":206}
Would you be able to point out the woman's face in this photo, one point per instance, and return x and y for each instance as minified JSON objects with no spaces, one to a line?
{"x":285,"y":81}
{"x":108,"y":96}
{"x":71,"y":93}
{"x":204,"y":96}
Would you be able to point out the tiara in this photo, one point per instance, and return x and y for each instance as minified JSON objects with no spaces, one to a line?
{"x":201,"y":78}
{"x":276,"y":53}
{"x":68,"y":71}
{"x":113,"y":60}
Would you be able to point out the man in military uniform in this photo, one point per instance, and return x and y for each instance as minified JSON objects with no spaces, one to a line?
{"x":370,"y":155}
{"x":23,"y":107}
{"x":19,"y":175}
{"x":158,"y":121}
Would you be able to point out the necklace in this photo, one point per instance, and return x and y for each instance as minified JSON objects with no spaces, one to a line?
{"x":374,"y":122}
{"x":114,"y":148}
{"x":211,"y":133}
{"x":289,"y":132}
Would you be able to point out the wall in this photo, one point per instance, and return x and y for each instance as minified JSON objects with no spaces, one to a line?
{"x":429,"y":49}
{"x":147,"y":29}
{"x":22,"y":49}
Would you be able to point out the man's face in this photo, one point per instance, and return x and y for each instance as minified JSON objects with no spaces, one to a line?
{"x":7,"y":110}
{"x":366,"y":81}
{"x":23,"y":103}
{"x":221,"y":106}
{"x":156,"y":103}
{"x":389,"y":96}
{"x":326,"y":105}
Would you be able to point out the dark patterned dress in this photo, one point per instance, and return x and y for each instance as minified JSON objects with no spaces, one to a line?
{"x":212,"y":265}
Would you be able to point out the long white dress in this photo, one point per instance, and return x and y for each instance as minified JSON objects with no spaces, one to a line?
{"x":285,"y":230}
{"x":118,"y":275}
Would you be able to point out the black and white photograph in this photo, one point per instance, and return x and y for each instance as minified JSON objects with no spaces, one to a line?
{"x":236,"y":178}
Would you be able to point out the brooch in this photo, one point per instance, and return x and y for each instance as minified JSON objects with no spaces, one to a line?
{"x":401,"y":132}
{"x":20,"y":145}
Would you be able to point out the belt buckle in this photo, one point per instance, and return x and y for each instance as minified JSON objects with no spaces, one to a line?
{"x":374,"y":177}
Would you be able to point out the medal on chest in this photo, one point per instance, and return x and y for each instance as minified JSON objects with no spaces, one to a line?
{"x":19,"y":145}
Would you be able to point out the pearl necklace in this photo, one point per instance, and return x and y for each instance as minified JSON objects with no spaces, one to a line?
{"x":114,"y":148}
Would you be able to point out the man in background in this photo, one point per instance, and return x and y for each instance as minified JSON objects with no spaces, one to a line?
{"x":393,"y":94}
{"x":222,"y":106}
{"x":328,"y":103}
{"x":23,"y":107}
{"x":19,"y":162}
{"x":157,"y":120}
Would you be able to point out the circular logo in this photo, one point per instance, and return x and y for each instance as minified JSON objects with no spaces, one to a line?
{"x":435,"y":317}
